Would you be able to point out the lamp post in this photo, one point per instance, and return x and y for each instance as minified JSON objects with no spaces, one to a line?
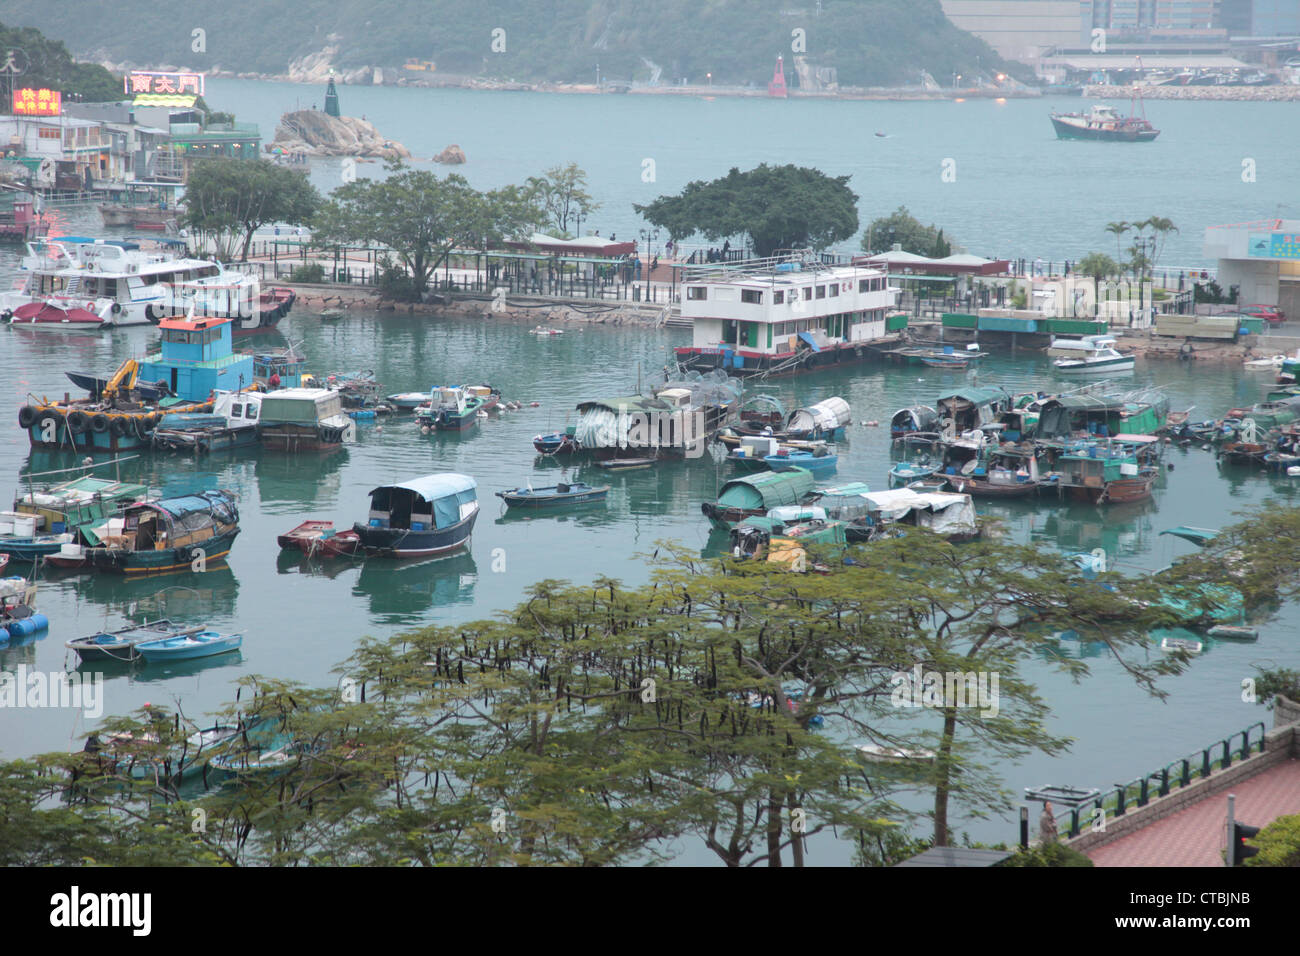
{"x":648,"y":236}
{"x":1141,"y":243}
{"x":709,"y":77}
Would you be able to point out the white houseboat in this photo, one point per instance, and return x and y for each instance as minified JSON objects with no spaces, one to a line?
{"x":73,"y":281}
{"x":785,"y":314}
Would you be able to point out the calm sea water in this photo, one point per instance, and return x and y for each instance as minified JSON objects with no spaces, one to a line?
{"x":1017,"y":191}
{"x":300,"y":620}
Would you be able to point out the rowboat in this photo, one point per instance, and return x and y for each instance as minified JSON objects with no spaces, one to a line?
{"x":187,"y":647}
{"x":315,"y":538}
{"x":552,"y":495}
{"x":906,"y":472}
{"x":820,"y":462}
{"x":625,"y":464}
{"x":121,"y":645}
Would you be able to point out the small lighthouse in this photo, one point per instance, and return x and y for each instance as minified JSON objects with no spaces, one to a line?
{"x":331,"y":97}
{"x":777,"y":86}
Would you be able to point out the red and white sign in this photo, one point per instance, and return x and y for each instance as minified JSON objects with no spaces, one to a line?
{"x":37,"y":102}
{"x":141,"y":81}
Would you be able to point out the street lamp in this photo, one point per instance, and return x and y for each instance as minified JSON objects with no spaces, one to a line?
{"x":648,"y":236}
{"x":709,"y":77}
{"x":598,"y":74}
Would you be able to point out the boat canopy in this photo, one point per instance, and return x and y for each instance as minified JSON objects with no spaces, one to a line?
{"x":192,"y":512}
{"x":767,"y":490}
{"x":599,"y":420}
{"x":940,"y":511}
{"x":976,"y":396}
{"x":827,"y":415}
{"x":443,"y":496}
{"x":919,"y":418}
{"x":300,"y":406}
{"x":846,"y":502}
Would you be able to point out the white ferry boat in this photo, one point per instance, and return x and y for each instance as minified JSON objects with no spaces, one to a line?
{"x":1068,"y":347}
{"x":785,"y":314}
{"x":76,"y":282}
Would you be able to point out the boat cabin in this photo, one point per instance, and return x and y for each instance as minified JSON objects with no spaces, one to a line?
{"x":197,"y":358}
{"x":431,"y":503}
{"x":181,"y":522}
{"x":970,"y":408}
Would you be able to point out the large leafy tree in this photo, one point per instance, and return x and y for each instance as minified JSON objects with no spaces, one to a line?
{"x":422,"y":218}
{"x":47,"y":63}
{"x":227,"y":200}
{"x":778,"y":207}
{"x":901,"y":227}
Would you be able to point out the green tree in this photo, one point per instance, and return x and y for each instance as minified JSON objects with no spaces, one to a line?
{"x":562,"y":191}
{"x":1099,"y":266}
{"x":422,"y":217}
{"x":227,"y":200}
{"x":902,"y":228}
{"x":778,"y":207}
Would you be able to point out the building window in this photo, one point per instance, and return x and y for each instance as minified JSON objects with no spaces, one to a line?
{"x":698,"y":292}
{"x":821,"y":292}
{"x":834,"y":289}
{"x":807,"y":293}
{"x":48,"y":133}
{"x":752,"y":296}
{"x":778,"y":297}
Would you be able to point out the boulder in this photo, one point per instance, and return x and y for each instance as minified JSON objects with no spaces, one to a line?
{"x":316,"y":133}
{"x":452,"y":155}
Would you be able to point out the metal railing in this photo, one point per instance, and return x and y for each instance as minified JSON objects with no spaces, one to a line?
{"x":1173,"y":776}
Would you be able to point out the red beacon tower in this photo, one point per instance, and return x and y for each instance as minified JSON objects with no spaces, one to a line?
{"x":777,"y":86}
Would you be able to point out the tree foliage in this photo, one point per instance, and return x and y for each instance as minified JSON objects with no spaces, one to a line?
{"x":422,"y":217}
{"x":562,"y":192}
{"x":227,"y":200}
{"x":48,"y":64}
{"x":902,"y":228}
{"x":719,"y":707}
{"x":778,"y":207}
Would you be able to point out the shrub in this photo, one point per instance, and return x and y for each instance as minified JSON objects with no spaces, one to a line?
{"x":1279,"y":843}
{"x":312,"y":272}
{"x":1047,"y":854}
{"x":394,"y":283}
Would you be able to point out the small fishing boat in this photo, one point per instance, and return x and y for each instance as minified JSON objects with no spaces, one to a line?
{"x":318,"y":538}
{"x":877,"y":753}
{"x":946,"y":361}
{"x":64,"y":314}
{"x":918,"y":418}
{"x":544,"y":330}
{"x":1271,"y":364}
{"x":750,"y":455}
{"x":1183,"y":644}
{"x":626,"y":464}
{"x":751,"y":496}
{"x":18,"y":616}
{"x":232,"y":423}
{"x":409,"y":401}
{"x":562,"y":494}
{"x":424,"y":517}
{"x":185,"y":533}
{"x":906,"y":472}
{"x":1234,"y":632}
{"x":120,"y":645}
{"x":305,"y":419}
{"x":70,"y":557}
{"x":456,"y":408}
{"x":331,"y":314}
{"x":558,"y":443}
{"x":186,"y":647}
{"x":934,"y":483}
{"x":278,"y":755}
{"x":819,"y":462}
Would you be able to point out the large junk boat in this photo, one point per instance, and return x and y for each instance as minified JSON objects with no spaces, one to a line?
{"x":195,"y":361}
{"x":78,"y":282}
{"x":785,"y":314}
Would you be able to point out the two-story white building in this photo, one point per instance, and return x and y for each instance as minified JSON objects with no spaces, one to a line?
{"x":784,"y":315}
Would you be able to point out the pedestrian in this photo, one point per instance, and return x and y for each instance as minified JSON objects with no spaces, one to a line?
{"x":613,"y":237}
{"x":654,"y":263}
{"x":277,"y":231}
{"x":274,"y":380}
{"x":1047,"y":824}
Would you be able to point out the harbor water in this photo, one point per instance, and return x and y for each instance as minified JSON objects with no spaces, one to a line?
{"x":1018,"y":191}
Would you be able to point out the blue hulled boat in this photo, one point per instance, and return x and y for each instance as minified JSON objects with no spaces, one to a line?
{"x":186,"y":647}
{"x":422,"y":517}
{"x":562,"y":494}
{"x":819,"y":462}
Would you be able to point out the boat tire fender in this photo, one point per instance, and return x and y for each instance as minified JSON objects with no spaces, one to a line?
{"x":118,"y":426}
{"x":151,"y":315}
{"x":99,"y":422}
{"x":141,"y":427}
{"x":26,"y":416}
{"x":117,"y":308}
{"x":78,"y":421}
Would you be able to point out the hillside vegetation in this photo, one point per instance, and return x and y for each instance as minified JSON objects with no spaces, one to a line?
{"x":868,"y":42}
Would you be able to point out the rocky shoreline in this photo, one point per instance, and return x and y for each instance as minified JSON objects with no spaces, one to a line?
{"x":1259,"y":94}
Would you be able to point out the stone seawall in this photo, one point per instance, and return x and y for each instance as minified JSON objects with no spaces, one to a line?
{"x":1254,"y":93}
{"x":539,"y":311}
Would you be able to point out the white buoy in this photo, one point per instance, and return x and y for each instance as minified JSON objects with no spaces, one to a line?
{"x":424,"y":429}
{"x":1293,"y":471}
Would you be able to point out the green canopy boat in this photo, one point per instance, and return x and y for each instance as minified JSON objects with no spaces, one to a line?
{"x":751,"y":496}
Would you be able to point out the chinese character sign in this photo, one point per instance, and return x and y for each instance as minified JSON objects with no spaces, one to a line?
{"x":37,"y":102}
{"x":149,"y":82}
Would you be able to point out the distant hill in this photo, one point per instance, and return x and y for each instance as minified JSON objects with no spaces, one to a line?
{"x":864,"y":42}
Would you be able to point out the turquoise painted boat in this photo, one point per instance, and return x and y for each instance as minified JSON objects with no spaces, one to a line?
{"x":820,"y":463}
{"x":186,"y":647}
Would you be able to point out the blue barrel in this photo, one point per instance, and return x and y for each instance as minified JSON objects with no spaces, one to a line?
{"x":28,"y":625}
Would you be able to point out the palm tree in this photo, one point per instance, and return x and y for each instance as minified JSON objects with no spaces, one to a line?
{"x":1099,"y":266}
{"x":1117,"y":229}
{"x":1162,"y":227}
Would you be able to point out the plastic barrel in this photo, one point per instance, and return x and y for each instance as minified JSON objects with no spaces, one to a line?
{"x":28,"y":625}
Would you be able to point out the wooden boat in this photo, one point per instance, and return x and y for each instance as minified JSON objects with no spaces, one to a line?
{"x":44,"y":521}
{"x":305,"y":419}
{"x":1105,"y":474}
{"x":279,"y":754}
{"x":70,"y":557}
{"x":318,"y":538}
{"x":331,"y":314}
{"x":186,"y":533}
{"x":1243,"y":453}
{"x":186,"y":647}
{"x":918,"y":418}
{"x":553,"y":495}
{"x":141,"y":758}
{"x":626,"y":464}
{"x":558,"y":443}
{"x":120,"y":645}
{"x":423,"y":517}
{"x":989,"y":488}
{"x":820,"y":462}
{"x":751,"y":496}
